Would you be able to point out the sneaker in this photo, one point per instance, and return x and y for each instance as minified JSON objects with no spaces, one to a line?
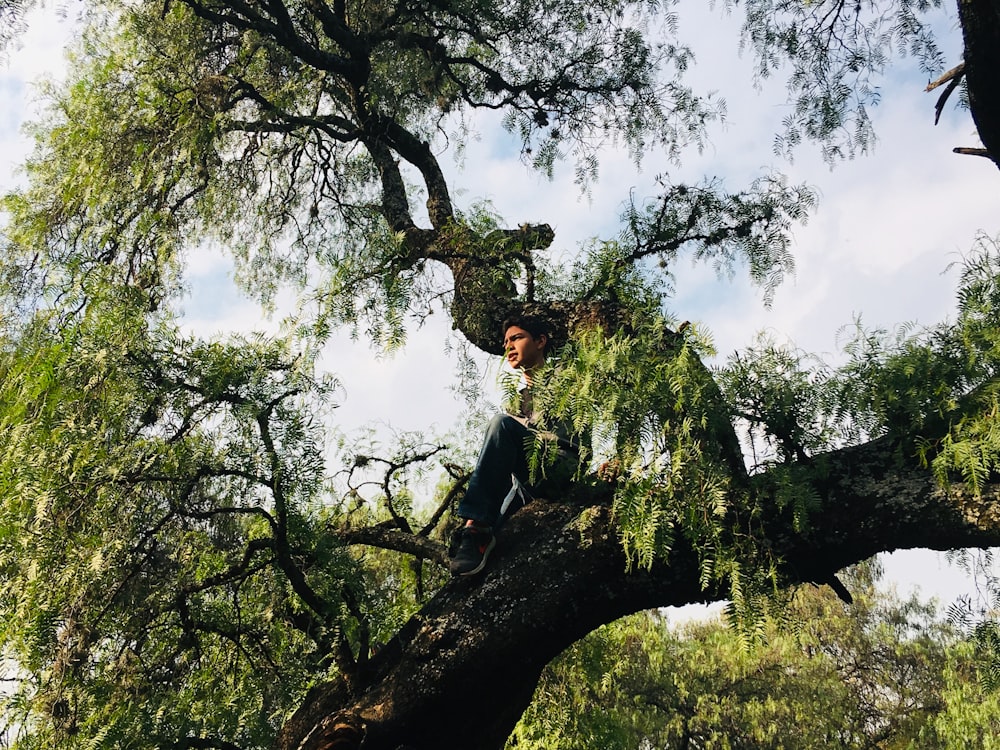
{"x":470,"y":548}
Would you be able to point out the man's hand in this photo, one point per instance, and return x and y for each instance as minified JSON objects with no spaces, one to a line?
{"x":609,"y":471}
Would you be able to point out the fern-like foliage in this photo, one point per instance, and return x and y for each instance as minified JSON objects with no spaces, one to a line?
{"x":783,"y":400}
{"x":940,"y":386}
{"x":164,"y":573}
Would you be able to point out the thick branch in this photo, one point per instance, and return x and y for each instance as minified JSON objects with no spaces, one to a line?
{"x":980,"y":21}
{"x":245,"y":17}
{"x":559,"y":572}
{"x":418,"y":153}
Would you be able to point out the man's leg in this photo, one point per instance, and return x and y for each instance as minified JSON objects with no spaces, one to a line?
{"x":502,"y":454}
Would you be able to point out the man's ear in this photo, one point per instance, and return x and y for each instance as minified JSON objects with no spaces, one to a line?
{"x":544,"y":338}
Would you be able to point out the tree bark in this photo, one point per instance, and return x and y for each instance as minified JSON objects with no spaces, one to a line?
{"x":462,"y":670}
{"x":980,"y":20}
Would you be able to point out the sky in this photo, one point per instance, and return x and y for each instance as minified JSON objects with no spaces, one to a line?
{"x":879,"y":246}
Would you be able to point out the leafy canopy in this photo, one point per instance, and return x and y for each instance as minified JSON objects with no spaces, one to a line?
{"x":883,"y":672}
{"x":179,"y":562}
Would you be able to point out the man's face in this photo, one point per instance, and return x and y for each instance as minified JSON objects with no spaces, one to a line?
{"x":522,"y":349}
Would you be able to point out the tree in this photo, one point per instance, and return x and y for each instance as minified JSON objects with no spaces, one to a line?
{"x":878,"y":673}
{"x":292,"y":134}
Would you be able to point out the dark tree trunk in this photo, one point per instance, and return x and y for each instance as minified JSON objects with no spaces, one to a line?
{"x":980,"y":21}
{"x":463,"y":669}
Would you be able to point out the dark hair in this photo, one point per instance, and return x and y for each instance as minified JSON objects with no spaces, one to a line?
{"x":533,"y":324}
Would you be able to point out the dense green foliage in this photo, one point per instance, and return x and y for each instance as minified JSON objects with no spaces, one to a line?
{"x":164,"y":567}
{"x":179,"y":561}
{"x":881,"y":673}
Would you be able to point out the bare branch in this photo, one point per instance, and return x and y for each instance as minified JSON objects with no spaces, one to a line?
{"x":389,"y":538}
{"x":952,"y":75}
{"x":972,"y":151}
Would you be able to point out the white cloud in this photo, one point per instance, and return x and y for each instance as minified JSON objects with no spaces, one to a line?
{"x":37,"y":54}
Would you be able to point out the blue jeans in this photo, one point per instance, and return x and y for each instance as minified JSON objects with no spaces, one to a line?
{"x":504,"y":452}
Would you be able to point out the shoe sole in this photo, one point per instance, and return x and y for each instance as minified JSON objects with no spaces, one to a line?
{"x":482,"y":563}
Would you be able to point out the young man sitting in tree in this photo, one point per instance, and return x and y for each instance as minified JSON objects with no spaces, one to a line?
{"x":509,"y":438}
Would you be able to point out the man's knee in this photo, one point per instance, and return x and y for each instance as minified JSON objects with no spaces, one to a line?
{"x":502,"y":425}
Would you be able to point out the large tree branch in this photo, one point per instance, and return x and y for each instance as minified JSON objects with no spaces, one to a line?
{"x":244,"y":17}
{"x":418,"y":153}
{"x":980,"y":21}
{"x":559,"y":572}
